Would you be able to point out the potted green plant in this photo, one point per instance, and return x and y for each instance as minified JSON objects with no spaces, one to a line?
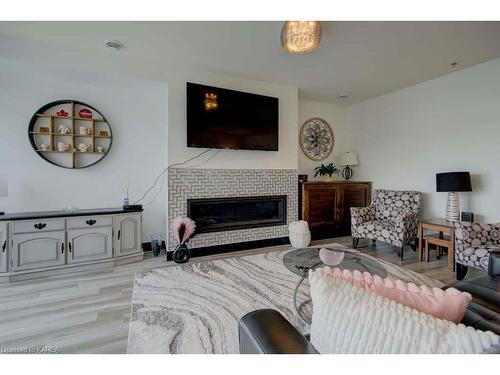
{"x":326,"y":171}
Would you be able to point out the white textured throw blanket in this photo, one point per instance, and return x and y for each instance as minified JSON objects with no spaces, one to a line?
{"x":348,"y":319}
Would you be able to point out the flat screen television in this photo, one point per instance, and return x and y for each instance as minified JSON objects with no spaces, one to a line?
{"x":221,"y":118}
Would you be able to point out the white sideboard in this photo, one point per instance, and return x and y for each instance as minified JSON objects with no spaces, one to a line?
{"x":44,"y":244}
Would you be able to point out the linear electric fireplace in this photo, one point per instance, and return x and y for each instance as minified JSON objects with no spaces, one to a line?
{"x":222,"y":214}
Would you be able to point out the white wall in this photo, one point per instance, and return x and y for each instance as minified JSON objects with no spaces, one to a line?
{"x":285,"y":158}
{"x":137,"y":112}
{"x":338,"y":118}
{"x":451,"y":123}
{"x":403,"y":138}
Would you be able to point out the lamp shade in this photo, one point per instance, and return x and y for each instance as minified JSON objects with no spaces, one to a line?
{"x":4,"y":186}
{"x":348,"y":158}
{"x":453,"y":182}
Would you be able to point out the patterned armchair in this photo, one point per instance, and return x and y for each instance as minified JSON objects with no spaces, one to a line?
{"x":392,"y":217}
{"x":473,"y":245}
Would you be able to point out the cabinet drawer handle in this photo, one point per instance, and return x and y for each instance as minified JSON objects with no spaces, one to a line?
{"x":62,"y":248}
{"x":40,"y":226}
{"x":4,"y":246}
{"x":119,"y":232}
{"x":91,"y":222}
{"x":69,"y":247}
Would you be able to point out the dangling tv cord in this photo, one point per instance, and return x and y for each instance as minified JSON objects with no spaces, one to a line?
{"x":162,"y":173}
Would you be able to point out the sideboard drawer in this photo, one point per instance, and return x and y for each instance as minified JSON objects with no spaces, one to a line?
{"x":89,"y":222}
{"x":38,"y":225}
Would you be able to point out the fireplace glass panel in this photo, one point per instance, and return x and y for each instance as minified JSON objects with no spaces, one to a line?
{"x":221,"y":214}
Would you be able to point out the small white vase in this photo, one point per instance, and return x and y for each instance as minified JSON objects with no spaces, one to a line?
{"x":299,"y":234}
{"x":300,"y":240}
{"x":327,"y":178}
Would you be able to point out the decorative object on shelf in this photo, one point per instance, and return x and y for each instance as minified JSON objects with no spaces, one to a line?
{"x":100,"y":149}
{"x":299,"y":234}
{"x":85,"y":113}
{"x":80,"y":120}
{"x":85,"y":131}
{"x":83,"y":147}
{"x":300,"y":36}
{"x":63,"y":147}
{"x":316,"y":139}
{"x":326,"y":171}
{"x":61,"y":129}
{"x":125,"y":188}
{"x":183,"y":229}
{"x":4,"y":187}
{"x":347,"y":160}
{"x":452,"y":183}
{"x":44,"y":147}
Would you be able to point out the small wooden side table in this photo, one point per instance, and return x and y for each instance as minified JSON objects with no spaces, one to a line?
{"x":443,"y":227}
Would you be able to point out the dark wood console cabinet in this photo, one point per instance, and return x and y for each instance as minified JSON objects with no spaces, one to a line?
{"x":326,"y":206}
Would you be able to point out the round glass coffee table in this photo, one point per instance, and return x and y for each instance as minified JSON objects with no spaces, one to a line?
{"x":300,"y":261}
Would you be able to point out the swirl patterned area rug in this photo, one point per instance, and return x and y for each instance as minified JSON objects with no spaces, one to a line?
{"x":195,"y":308}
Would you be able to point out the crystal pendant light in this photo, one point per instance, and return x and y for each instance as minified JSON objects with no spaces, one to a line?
{"x":300,"y":36}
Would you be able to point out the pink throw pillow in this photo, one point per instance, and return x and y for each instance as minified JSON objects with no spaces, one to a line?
{"x":449,"y":304}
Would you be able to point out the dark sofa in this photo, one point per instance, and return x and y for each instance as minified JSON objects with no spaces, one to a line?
{"x":268,"y":332}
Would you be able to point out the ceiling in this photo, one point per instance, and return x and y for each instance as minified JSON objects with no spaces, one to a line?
{"x":359,"y":59}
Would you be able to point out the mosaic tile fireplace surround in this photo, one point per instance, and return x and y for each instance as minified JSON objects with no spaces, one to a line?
{"x":192,"y":184}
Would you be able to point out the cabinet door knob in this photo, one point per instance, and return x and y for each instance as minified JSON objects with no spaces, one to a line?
{"x":40,"y":226}
{"x":4,"y":246}
{"x":69,"y":246}
{"x":119,"y":232}
{"x":91,"y":222}
{"x":62,"y":248}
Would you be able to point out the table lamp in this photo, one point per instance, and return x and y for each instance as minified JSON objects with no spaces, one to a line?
{"x":4,"y":187}
{"x":453,"y":182}
{"x":348,"y":159}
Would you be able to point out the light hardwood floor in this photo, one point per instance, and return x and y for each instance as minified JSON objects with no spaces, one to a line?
{"x":89,"y":312}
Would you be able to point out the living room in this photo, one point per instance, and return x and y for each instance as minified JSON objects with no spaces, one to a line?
{"x":254,"y":192}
